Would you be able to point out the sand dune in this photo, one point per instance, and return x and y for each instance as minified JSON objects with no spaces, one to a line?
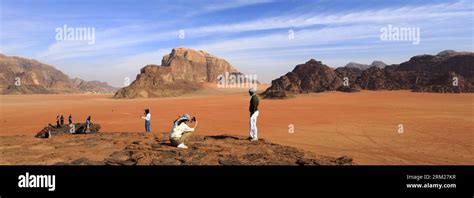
{"x":364,"y":125}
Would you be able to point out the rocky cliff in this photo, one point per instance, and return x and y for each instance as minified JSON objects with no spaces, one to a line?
{"x":180,"y":72}
{"x":27,"y":76}
{"x":313,"y":76}
{"x":445,"y":72}
{"x":448,"y":71}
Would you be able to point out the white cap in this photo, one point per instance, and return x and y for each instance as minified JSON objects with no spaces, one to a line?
{"x":252,"y":90}
{"x":185,"y":116}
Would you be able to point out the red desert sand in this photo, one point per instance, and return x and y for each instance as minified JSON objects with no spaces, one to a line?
{"x":437,"y":128}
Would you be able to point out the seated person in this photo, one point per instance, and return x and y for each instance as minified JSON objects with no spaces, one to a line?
{"x":87,"y":127}
{"x":181,"y":131}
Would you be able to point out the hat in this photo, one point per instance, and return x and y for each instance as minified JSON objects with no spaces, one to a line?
{"x":252,"y":90}
{"x":185,"y":117}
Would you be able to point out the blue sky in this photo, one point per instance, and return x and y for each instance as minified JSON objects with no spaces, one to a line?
{"x":252,"y":35}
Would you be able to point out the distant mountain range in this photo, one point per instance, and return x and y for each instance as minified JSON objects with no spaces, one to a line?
{"x":26,"y":76}
{"x":378,"y":64}
{"x":184,"y":69}
{"x":446,"y":72}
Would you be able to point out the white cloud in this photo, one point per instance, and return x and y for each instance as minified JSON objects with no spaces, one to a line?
{"x":107,"y":42}
{"x":223,"y":5}
{"x":315,"y":36}
{"x":403,"y":14}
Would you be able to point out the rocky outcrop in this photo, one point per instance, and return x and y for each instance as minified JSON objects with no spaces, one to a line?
{"x":313,"y":76}
{"x":378,"y":64}
{"x":78,"y":128}
{"x":349,"y":74}
{"x":92,"y":86}
{"x":180,"y":72}
{"x":27,"y":76}
{"x":446,"y":72}
{"x":218,"y":150}
{"x":195,"y":66}
{"x":136,"y":148}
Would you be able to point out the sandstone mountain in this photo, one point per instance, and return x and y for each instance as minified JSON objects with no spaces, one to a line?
{"x":313,"y":76}
{"x":180,"y":72}
{"x":448,"y":71}
{"x":424,"y":73}
{"x":27,"y":76}
{"x":378,"y":64}
{"x":92,"y":86}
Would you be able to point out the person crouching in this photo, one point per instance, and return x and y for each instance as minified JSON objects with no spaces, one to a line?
{"x":181,"y":131}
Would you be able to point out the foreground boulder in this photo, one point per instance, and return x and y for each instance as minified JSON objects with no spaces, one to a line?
{"x":136,"y":148}
{"x":218,"y":150}
{"x":79,"y":128}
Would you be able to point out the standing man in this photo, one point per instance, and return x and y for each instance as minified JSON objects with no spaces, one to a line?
{"x":253,"y":108}
{"x":147,"y":121}
{"x":57,"y":121}
{"x":70,"y":119}
{"x":61,"y":119}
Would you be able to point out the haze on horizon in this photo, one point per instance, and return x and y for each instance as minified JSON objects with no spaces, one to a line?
{"x":266,"y":38}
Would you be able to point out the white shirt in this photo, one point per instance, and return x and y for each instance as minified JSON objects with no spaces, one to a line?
{"x":148,"y":117}
{"x":177,"y":131}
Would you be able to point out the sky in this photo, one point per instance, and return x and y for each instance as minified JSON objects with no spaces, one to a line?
{"x":267,"y":38}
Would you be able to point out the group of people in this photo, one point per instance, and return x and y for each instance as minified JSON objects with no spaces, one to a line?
{"x":60,"y":122}
{"x":181,"y":130}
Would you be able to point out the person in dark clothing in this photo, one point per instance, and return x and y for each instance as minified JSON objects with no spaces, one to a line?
{"x":70,"y":119}
{"x":61,"y":119}
{"x":57,"y":121}
{"x":88,"y":125}
{"x":253,"y":109}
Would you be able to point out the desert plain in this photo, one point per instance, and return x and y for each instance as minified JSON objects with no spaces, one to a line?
{"x":372,"y":127}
